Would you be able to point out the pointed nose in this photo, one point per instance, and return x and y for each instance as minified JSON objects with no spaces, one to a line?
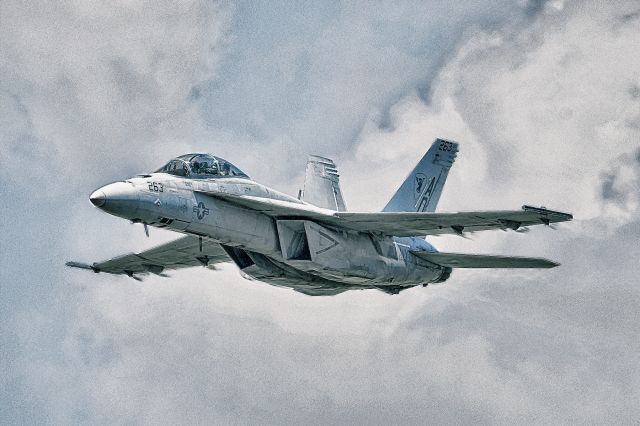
{"x":118,"y":198}
{"x":98,"y":198}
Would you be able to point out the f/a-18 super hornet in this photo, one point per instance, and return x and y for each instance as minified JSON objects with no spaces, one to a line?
{"x":310,"y":243}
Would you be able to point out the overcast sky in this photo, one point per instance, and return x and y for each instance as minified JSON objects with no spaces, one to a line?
{"x":544,"y":98}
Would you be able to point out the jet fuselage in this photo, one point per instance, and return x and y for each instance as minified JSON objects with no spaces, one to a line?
{"x":264,"y":247}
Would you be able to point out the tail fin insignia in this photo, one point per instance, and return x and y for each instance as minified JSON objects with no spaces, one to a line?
{"x":421,"y":190}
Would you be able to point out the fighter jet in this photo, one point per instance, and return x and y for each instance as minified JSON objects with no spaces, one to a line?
{"x":309,"y":243}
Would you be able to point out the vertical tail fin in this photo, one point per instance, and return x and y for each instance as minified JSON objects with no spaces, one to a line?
{"x":421,"y":190}
{"x":322,"y":184}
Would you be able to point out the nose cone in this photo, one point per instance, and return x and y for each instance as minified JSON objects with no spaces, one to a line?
{"x":118,"y":198}
{"x":98,"y":198}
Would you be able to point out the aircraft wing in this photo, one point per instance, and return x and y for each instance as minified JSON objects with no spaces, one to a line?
{"x":402,"y":224}
{"x":184,"y":252}
{"x":410,"y":224}
{"x":458,"y":260}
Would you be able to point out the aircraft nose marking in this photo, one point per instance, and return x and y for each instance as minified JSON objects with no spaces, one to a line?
{"x":98,"y":198}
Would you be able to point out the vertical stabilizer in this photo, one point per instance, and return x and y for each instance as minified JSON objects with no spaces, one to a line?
{"x":421,"y":190}
{"x":322,"y":184}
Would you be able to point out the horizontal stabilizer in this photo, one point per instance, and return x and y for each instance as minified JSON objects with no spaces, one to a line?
{"x":458,"y":260}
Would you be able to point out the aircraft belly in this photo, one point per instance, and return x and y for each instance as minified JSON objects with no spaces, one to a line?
{"x":274,"y":272}
{"x":350,"y":258}
{"x":310,"y":284}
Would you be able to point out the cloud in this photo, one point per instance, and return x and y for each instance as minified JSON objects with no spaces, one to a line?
{"x":89,"y":92}
{"x":552,"y":101}
{"x":541,"y":97}
{"x":92,"y":80}
{"x":312,"y":92}
{"x":522,"y":103}
{"x":620,"y":185}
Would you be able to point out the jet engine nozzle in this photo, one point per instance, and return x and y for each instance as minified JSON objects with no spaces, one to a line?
{"x":118,"y":198}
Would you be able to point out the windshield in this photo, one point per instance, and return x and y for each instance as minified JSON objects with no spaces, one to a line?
{"x":201,"y":166}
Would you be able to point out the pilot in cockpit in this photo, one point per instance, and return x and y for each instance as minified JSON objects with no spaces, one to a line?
{"x":212,"y":169}
{"x":200,"y":166}
{"x":225,"y":170}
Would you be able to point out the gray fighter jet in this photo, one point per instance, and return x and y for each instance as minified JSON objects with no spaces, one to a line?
{"x":310,"y":243}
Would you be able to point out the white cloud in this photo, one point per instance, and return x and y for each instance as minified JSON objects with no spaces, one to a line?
{"x":90,"y":80}
{"x":551,"y":102}
{"x":554,"y":101}
{"x":204,"y":347}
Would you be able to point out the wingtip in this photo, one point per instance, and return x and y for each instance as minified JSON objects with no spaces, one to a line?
{"x":566,"y":216}
{"x":81,"y":265}
{"x":547,"y":264}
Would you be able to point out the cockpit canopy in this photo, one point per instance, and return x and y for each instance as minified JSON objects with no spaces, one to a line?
{"x":201,"y":166}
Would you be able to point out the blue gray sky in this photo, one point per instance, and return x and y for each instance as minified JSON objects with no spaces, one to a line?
{"x":544,"y":98}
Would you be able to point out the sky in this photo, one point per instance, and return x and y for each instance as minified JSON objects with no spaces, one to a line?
{"x":544,"y":99}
